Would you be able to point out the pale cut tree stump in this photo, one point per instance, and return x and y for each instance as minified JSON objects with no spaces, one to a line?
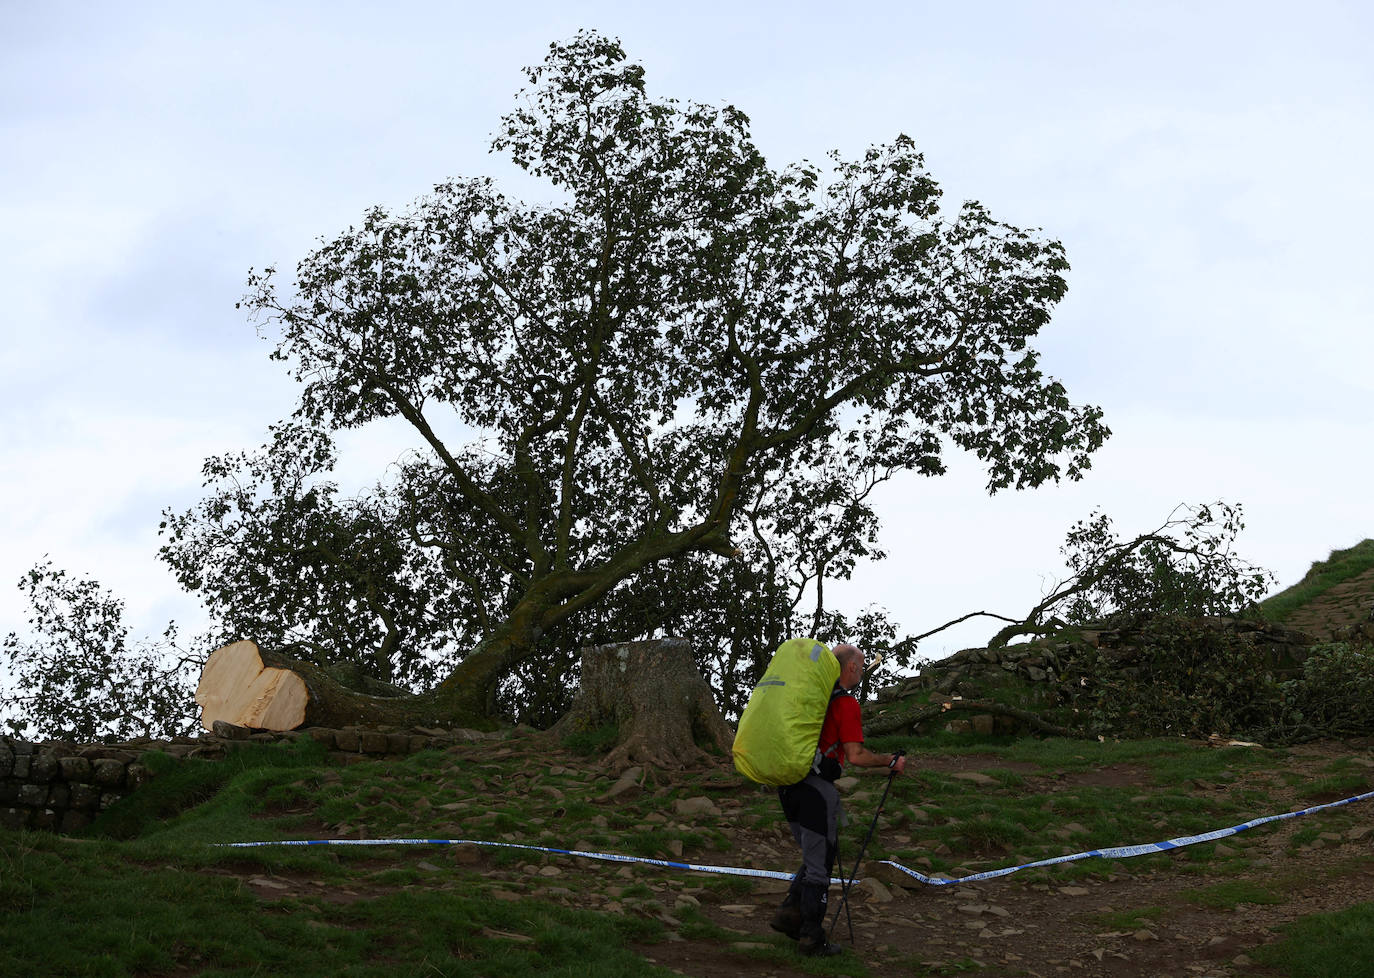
{"x":653,"y":691}
{"x":238,"y":687}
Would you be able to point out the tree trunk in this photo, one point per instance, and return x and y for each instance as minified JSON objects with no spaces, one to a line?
{"x":907,"y":720}
{"x":247,"y":686}
{"x":655,"y":694}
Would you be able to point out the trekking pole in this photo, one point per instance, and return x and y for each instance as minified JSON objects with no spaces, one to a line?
{"x":854,"y":873}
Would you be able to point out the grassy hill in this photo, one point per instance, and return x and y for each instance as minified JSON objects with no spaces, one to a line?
{"x":161,"y":900}
{"x":1335,"y":592}
{"x":148,"y":893}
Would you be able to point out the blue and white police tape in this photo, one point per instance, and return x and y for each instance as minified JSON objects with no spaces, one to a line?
{"x":1126,"y":852}
{"x":1117,"y":852}
{"x":606,"y":856}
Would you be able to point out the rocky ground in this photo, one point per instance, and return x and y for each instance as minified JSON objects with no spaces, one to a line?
{"x":1130,"y":918}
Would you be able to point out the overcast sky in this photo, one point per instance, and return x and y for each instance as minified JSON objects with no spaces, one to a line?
{"x":1205,"y":164}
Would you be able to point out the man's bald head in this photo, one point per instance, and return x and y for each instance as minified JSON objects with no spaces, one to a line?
{"x":845,"y":654}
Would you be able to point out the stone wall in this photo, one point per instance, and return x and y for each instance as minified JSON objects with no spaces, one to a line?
{"x":62,"y":787}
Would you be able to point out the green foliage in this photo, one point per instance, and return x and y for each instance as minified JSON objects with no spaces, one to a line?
{"x":1185,"y":567}
{"x":1335,"y":694}
{"x":79,"y":677}
{"x":689,"y":354}
{"x":1341,"y":566}
{"x":1186,"y":679}
{"x":1182,"y":679}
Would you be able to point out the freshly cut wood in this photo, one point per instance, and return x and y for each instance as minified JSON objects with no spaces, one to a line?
{"x":238,"y":687}
{"x":249,"y":686}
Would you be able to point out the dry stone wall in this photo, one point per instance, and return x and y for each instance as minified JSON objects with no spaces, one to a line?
{"x":62,"y":787}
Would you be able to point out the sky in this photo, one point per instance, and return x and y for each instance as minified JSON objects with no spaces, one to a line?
{"x":1206,"y":166}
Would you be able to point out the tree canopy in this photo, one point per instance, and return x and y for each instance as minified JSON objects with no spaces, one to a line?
{"x":683,"y":350}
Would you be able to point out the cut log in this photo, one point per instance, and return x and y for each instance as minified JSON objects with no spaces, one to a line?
{"x":248,"y":686}
{"x":238,"y":687}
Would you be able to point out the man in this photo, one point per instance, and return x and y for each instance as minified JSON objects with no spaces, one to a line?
{"x":812,"y":808}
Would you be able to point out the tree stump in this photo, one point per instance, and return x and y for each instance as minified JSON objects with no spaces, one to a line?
{"x":655,"y":694}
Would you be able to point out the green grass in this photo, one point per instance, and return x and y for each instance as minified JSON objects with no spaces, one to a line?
{"x":1229,"y":894}
{"x":163,"y":901}
{"x":1335,"y":945}
{"x":98,"y":915}
{"x":180,"y":785}
{"x":1341,"y":566}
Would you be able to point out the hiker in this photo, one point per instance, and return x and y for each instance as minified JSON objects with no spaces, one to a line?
{"x":812,"y":808}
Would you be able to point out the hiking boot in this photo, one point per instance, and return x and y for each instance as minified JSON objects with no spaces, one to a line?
{"x":787,"y":920}
{"x":819,"y":948}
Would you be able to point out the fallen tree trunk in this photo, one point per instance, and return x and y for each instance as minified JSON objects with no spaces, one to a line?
{"x":250,"y":687}
{"x":885,"y":723}
{"x":655,"y":694}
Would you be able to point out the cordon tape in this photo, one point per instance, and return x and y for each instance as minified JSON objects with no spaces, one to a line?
{"x":1117,"y":852}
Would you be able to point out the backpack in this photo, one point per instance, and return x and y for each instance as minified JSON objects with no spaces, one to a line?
{"x":781,"y":725}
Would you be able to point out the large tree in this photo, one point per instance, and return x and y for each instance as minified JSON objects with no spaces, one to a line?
{"x":603,"y":383}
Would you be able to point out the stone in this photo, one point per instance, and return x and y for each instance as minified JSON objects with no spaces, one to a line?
{"x":230,"y":731}
{"x":321,"y":735}
{"x":74,"y":821}
{"x":695,"y":806}
{"x":75,"y":768}
{"x":33,"y":795}
{"x":107,"y":773}
{"x":85,"y":796}
{"x":627,"y":784}
{"x":846,"y":784}
{"x":44,"y":767}
{"x":347,"y":741}
{"x":876,"y":891}
{"x":373,"y":742}
{"x":6,"y":758}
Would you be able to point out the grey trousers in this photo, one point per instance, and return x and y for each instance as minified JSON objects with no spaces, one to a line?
{"x":812,"y":809}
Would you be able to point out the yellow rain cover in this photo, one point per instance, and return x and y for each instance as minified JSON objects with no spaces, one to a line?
{"x":781,"y":724}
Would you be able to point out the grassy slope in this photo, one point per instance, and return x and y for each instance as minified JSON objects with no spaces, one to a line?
{"x":1339,"y":567}
{"x":164,"y":902}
